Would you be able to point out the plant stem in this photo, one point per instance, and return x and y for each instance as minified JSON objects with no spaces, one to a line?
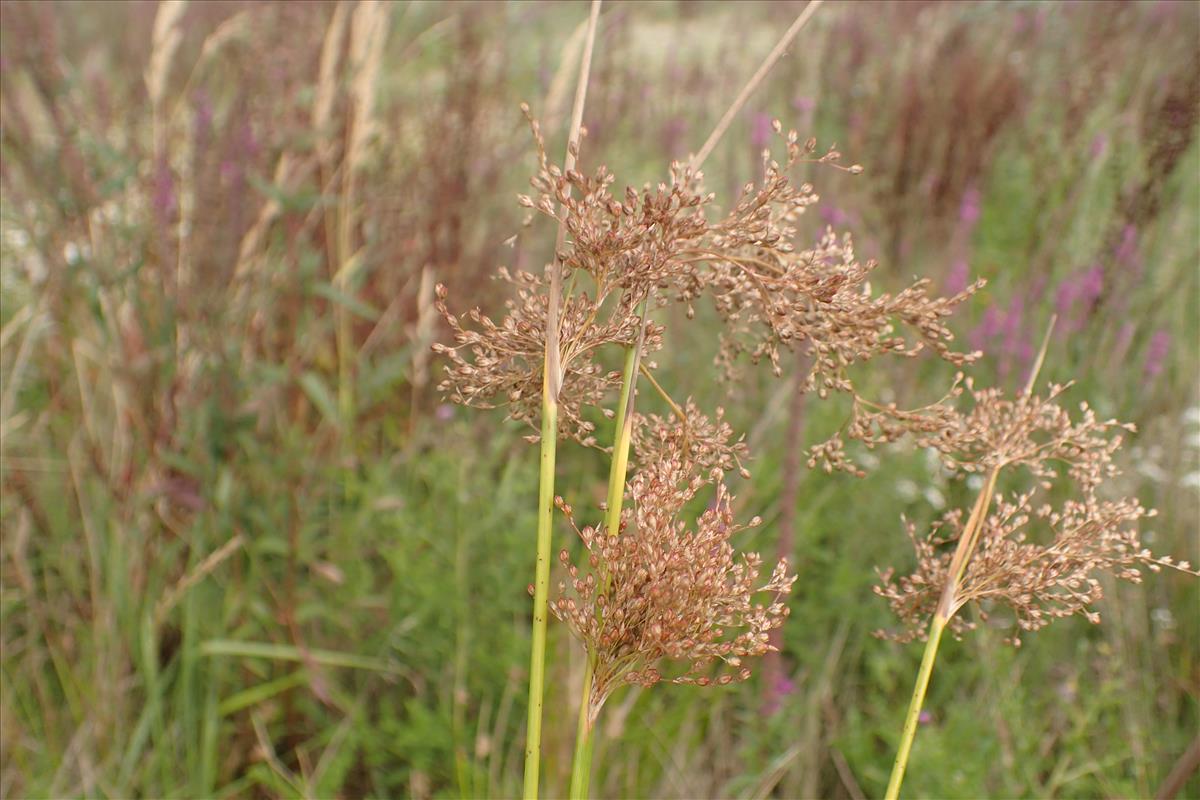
{"x":552,"y":375}
{"x":950,"y":601}
{"x":581,"y":764}
{"x":541,"y":589}
{"x":675,"y":409}
{"x":936,"y":626}
{"x":624,"y":434}
{"x":756,"y":79}
{"x":584,"y":743}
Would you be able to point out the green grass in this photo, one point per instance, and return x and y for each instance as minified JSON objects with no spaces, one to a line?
{"x":370,"y":636}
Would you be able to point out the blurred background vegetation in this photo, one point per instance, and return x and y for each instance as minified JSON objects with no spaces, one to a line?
{"x":248,"y":552}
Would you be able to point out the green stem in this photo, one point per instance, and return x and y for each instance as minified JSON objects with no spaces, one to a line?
{"x":541,"y":591}
{"x":936,"y":626}
{"x":624,"y":434}
{"x":581,"y":765}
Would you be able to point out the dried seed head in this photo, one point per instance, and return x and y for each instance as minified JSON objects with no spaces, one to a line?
{"x":1035,"y":558}
{"x":670,"y":593}
{"x":704,"y":444}
{"x":660,"y":243}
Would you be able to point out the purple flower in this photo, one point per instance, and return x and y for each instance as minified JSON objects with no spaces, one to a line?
{"x":1080,"y":293}
{"x":924,"y":718}
{"x":1091,"y":285}
{"x":1016,"y":339}
{"x":1012,"y":321}
{"x":783,"y":685}
{"x":779,"y":687}
{"x":969,"y":207}
{"x":1156,"y":353}
{"x":959,"y":277}
{"x":804,"y":104}
{"x":988,"y":327}
{"x":1127,"y":250}
{"x":760,"y":130}
{"x":165,"y":200}
{"x":834,"y":216}
{"x":1099,"y":145}
{"x":444,"y":412}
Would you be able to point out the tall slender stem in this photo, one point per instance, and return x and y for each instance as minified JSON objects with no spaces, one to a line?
{"x":541,"y":590}
{"x":747,"y":90}
{"x":936,"y":626}
{"x":950,"y":601}
{"x":581,"y":764}
{"x":552,"y":375}
{"x":585,"y":742}
{"x":624,"y":435}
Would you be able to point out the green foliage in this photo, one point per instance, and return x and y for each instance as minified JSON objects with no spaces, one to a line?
{"x":368,"y":633}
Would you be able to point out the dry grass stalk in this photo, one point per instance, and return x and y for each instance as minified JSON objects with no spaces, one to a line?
{"x":560,"y":84}
{"x":328,"y":82}
{"x":199,"y":573}
{"x":775,"y":54}
{"x":421,"y":333}
{"x":368,"y":34}
{"x":164,"y":43}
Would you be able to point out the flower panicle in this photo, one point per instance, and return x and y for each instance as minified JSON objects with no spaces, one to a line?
{"x":663,"y":244}
{"x":661,"y":592}
{"x":1038,"y":559}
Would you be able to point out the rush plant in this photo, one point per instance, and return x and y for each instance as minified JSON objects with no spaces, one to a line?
{"x":1019,"y":550}
{"x":654,"y":591}
{"x":661,"y":597}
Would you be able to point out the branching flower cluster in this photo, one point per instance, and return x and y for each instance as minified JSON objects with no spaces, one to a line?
{"x":1040,"y":561}
{"x":505,"y":367}
{"x":700,"y":443}
{"x":658,"y":591}
{"x":771,"y":295}
{"x":1025,"y":431}
{"x":655,"y":591}
{"x":660,"y":245}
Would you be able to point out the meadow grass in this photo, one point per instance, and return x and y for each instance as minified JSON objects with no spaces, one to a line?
{"x":247,"y":552}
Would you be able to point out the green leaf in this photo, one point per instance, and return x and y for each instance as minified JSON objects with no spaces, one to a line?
{"x":319,"y":393}
{"x":353,"y":304}
{"x":284,"y":652}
